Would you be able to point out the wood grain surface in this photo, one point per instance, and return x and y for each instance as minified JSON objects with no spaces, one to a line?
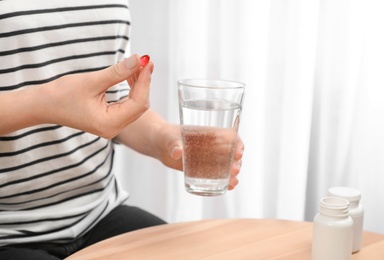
{"x":221,"y":239}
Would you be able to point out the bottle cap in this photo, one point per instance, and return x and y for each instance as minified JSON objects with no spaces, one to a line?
{"x":348,"y":193}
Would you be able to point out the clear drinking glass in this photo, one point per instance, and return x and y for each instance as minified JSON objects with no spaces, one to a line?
{"x":209,"y":115}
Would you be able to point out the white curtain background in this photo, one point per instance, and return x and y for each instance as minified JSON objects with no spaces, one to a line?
{"x":313,"y":115}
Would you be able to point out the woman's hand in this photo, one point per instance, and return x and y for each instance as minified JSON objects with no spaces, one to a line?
{"x":170,"y":138}
{"x":79,"y":101}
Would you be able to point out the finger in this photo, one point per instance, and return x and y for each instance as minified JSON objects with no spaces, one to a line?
{"x":125,"y":112}
{"x":239,"y":149}
{"x":233,"y":183}
{"x":139,"y":92}
{"x":144,"y":60}
{"x":235,"y":168}
{"x":116,"y":73}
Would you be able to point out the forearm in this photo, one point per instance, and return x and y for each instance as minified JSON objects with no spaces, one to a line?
{"x":21,"y":108}
{"x":141,"y":135}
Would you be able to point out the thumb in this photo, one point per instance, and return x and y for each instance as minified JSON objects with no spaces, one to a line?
{"x":118,"y":72}
{"x":176,"y":152}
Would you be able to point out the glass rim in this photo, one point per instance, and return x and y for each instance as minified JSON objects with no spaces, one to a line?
{"x":206,"y":83}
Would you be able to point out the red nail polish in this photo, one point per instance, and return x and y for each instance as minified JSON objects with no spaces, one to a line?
{"x":144,"y":60}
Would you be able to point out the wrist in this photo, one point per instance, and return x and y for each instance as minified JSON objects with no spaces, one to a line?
{"x":22,"y":108}
{"x":38,"y":100}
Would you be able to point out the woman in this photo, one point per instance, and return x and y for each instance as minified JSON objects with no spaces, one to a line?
{"x":66,"y":93}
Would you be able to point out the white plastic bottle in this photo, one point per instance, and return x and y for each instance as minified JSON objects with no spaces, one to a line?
{"x":332,"y":230}
{"x":356,"y":211}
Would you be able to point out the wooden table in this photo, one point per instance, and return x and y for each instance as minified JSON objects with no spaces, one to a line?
{"x":221,"y":239}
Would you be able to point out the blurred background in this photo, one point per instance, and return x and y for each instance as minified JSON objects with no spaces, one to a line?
{"x":313,"y":115}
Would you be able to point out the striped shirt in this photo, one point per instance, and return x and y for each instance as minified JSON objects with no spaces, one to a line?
{"x":57,"y":182}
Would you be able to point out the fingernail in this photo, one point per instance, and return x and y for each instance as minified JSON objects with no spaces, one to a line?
{"x":130,"y":62}
{"x":174,"y":154}
{"x":144,"y":60}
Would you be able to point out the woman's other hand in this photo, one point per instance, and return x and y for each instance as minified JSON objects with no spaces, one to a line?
{"x":79,"y":100}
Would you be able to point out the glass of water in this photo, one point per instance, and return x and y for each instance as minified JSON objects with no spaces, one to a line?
{"x":209,"y":115}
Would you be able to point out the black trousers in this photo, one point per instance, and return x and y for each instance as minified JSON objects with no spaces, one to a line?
{"x":121,"y":220}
